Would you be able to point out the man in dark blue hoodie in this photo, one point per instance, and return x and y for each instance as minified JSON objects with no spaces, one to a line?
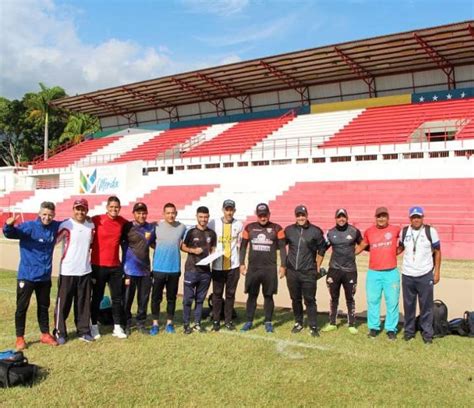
{"x":37,"y":240}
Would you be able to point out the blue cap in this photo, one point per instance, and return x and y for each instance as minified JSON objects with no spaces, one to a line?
{"x":416,"y":211}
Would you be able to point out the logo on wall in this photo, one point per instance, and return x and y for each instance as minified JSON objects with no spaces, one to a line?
{"x":88,"y":182}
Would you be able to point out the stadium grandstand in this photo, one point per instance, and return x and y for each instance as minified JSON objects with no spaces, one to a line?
{"x":381,"y":121}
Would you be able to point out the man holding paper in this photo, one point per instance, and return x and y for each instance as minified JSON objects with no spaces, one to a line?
{"x":199,"y":243}
{"x":225,"y":269}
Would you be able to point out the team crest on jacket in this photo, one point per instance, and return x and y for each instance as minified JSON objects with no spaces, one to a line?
{"x":21,"y":284}
{"x":208,"y":240}
{"x":269,"y":230}
{"x":349,"y":236}
{"x":388,"y":235}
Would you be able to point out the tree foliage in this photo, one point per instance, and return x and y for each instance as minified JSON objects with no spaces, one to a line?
{"x":23,"y":124}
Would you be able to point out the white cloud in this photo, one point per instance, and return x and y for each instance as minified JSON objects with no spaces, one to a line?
{"x":250,"y":34}
{"x":230,"y":59}
{"x":223,"y":8}
{"x":39,"y":43}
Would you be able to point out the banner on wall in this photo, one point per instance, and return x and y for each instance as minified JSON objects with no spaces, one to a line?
{"x":103,"y":180}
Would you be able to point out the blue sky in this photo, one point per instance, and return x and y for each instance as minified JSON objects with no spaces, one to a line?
{"x":93,"y":44}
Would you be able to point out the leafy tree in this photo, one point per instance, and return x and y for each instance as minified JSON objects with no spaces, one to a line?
{"x":79,"y":124}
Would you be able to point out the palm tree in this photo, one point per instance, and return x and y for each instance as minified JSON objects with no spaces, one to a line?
{"x":79,"y":124}
{"x":40,"y":107}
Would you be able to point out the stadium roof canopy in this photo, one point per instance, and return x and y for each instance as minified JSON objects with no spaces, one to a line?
{"x":442,"y":47}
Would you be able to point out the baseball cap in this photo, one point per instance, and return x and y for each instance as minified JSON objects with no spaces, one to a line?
{"x":341,"y":211}
{"x":262,"y":209}
{"x":228,"y":203}
{"x":301,"y":209}
{"x":140,"y":207}
{"x":416,"y":211}
{"x":381,"y":210}
{"x":82,"y":202}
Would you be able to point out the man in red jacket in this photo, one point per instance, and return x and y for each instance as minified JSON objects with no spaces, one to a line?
{"x":106,"y":265}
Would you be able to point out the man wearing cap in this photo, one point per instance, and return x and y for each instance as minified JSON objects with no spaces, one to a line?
{"x":420,"y":271}
{"x":306,"y":249}
{"x":166,"y":267}
{"x":137,"y":238}
{"x":225,"y":270}
{"x":198,"y":243}
{"x":37,"y":239}
{"x":343,"y":239}
{"x":106,"y":265}
{"x":76,"y":235}
{"x":382,"y":276}
{"x":265,"y":239}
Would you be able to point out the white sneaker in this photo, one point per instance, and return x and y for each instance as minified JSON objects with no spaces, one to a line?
{"x":95,"y":331}
{"x":119,"y":333}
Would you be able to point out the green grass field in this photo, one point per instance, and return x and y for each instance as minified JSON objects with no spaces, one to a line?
{"x":236,"y":370}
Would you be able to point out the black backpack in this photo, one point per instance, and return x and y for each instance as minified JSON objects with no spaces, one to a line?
{"x":15,"y":370}
{"x":440,"y":319}
{"x":463,"y":326}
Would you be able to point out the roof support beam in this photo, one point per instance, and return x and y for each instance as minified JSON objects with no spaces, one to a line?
{"x":217,"y":102}
{"x":115,"y":109}
{"x":360,"y":71}
{"x":230,"y":91}
{"x":442,"y":62}
{"x":293,"y":83}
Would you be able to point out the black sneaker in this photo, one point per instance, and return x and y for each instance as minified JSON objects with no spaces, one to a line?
{"x":408,"y":337}
{"x":198,"y":328}
{"x":230,"y":326}
{"x":372,"y":334}
{"x":297,"y":328}
{"x":187,"y":329}
{"x":392,"y":336}
{"x":427,"y":341}
{"x":216,"y":326}
{"x":314,"y":332}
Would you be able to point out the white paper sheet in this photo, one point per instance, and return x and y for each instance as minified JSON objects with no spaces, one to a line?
{"x":211,"y":258}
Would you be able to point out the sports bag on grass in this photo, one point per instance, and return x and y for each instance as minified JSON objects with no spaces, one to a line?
{"x":15,"y":369}
{"x":440,"y":319}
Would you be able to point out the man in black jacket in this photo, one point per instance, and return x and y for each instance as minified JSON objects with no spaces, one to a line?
{"x":306,"y":249}
{"x":343,"y":239}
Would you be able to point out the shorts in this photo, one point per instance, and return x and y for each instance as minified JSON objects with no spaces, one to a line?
{"x":267,"y":278}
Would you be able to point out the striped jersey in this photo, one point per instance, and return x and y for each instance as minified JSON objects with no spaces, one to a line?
{"x":229,"y":237}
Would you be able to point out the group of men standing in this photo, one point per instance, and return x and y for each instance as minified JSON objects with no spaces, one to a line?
{"x":218,"y":251}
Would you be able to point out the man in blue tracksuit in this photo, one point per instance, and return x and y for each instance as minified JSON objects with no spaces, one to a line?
{"x":37,"y":241}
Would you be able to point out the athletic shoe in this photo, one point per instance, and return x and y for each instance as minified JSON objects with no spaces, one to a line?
{"x":408,"y":337}
{"x":372,"y":334}
{"x":216,"y":326}
{"x":392,"y":336}
{"x":353,"y":330}
{"x":230,"y":326}
{"x":119,"y":333}
{"x":198,"y":328}
{"x":314,"y":332}
{"x":329,"y":328}
{"x":155,"y":329}
{"x":61,"y":340}
{"x":169,"y":328}
{"x":297,"y":328}
{"x":269,"y":327}
{"x":246,"y":327}
{"x":427,"y":341}
{"x":95,"y":331}
{"x":20,"y":343}
{"x":87,"y":338}
{"x":187,"y":329}
{"x":46,"y":338}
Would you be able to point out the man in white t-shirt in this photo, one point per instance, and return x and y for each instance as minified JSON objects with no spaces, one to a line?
{"x":421,"y":270}
{"x":225,"y":270}
{"x":76,"y":235}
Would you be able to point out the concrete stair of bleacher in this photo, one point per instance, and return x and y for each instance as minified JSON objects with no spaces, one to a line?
{"x":304,"y":133}
{"x":119,"y":147}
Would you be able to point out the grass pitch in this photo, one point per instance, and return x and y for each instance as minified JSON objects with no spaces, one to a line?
{"x":238,"y":370}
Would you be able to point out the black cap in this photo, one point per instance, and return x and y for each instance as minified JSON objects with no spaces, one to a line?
{"x":262,"y":209}
{"x":301,"y":209}
{"x":228,"y":203}
{"x":341,"y":211}
{"x":140,"y":207}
